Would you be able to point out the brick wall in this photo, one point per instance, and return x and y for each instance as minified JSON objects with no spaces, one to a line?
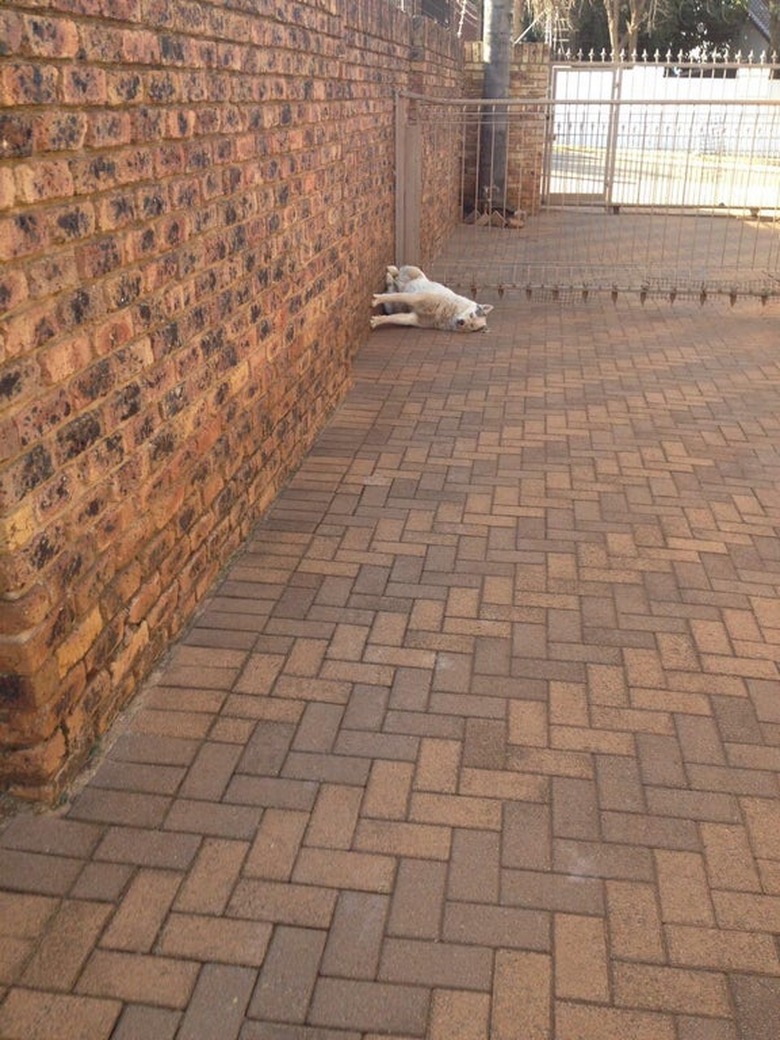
{"x":196,"y":200}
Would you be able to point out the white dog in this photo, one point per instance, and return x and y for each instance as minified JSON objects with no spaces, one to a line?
{"x":412,"y":299}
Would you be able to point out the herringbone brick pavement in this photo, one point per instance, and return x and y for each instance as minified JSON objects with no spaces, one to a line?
{"x":480,"y":735}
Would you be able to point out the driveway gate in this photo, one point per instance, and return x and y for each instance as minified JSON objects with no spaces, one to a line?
{"x":656,"y":178}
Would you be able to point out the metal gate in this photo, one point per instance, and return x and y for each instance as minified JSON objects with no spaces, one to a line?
{"x":655,"y":178}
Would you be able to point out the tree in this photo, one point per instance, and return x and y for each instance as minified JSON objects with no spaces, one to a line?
{"x":493,"y":135}
{"x":701,"y":25}
{"x":625,"y":18}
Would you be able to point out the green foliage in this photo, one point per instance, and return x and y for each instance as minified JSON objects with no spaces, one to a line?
{"x":693,"y":24}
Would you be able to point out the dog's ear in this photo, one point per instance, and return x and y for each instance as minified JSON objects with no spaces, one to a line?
{"x":484,"y":309}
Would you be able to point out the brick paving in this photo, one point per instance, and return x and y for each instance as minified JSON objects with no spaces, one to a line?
{"x":480,"y":735}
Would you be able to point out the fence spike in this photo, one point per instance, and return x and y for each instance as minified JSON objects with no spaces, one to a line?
{"x":643,"y":295}
{"x":614,"y":293}
{"x":529,"y":291}
{"x":585,"y":292}
{"x":672,"y":295}
{"x":501,"y":290}
{"x":764,"y":297}
{"x":733,"y":297}
{"x":703,"y":295}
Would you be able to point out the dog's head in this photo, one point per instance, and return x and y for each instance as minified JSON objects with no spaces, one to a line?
{"x":474,"y":319}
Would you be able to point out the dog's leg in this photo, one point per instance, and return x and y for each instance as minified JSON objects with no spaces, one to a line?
{"x":402,"y":318}
{"x":401,"y":298}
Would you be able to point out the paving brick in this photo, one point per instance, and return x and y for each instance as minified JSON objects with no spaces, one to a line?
{"x":212,"y":877}
{"x":683,"y":889}
{"x":635,"y":930}
{"x":137,"y":776}
{"x":130,"y":808}
{"x":37,"y":873}
{"x":692,"y":805}
{"x":581,"y":969}
{"x":522,"y":997}
{"x":655,"y":831}
{"x":670,"y":989}
{"x":757,"y":1004}
{"x":101,"y":881}
{"x":575,"y":809}
{"x":661,"y":761}
{"x":336,"y":769}
{"x":699,"y":740}
{"x":215,"y":939}
{"x":333,"y":822}
{"x":347,"y":1004}
{"x":266,"y":750}
{"x":25,"y":916}
{"x":139,"y":916}
{"x":455,"y":810}
{"x":367,"y":708}
{"x":763,"y":823}
{"x":362,"y":871}
{"x":724,"y":951}
{"x":318,"y":727}
{"x":51,"y":835}
{"x":418,"y":899}
{"x":154,"y":749}
{"x":307,"y":906}
{"x":457,"y":1015}
{"x":32,"y":1015}
{"x":690,"y":1027}
{"x":211,"y":771}
{"x":583,"y":1022}
{"x":14,"y":953}
{"x":590,"y":859}
{"x":272,"y":791}
{"x":388,"y":790}
{"x":484,"y":746}
{"x":496,"y":926}
{"x":212,"y":818}
{"x":278,"y":838}
{"x":148,"y":848}
{"x":138,"y":978}
{"x":139,"y":1021}
{"x":355,"y":936}
{"x":543,"y":890}
{"x":528,"y":723}
{"x":474,"y":866}
{"x":218,"y":1003}
{"x":728,"y":857}
{"x":526,"y":840}
{"x":287,"y":978}
{"x":437,"y":765}
{"x":436,"y":963}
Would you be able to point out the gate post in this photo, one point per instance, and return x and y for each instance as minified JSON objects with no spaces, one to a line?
{"x":408,"y":183}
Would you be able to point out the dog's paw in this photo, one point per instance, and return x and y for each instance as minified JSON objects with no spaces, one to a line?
{"x":373,"y":322}
{"x":376,"y":299}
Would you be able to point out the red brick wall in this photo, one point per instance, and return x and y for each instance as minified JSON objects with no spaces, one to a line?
{"x":196,"y":200}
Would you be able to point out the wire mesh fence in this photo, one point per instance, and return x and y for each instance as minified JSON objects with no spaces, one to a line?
{"x":648,"y":180}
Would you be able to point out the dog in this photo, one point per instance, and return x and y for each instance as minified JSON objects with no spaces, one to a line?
{"x":413,"y":299}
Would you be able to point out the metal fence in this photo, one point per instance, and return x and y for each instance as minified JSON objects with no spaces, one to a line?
{"x":659,"y":178}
